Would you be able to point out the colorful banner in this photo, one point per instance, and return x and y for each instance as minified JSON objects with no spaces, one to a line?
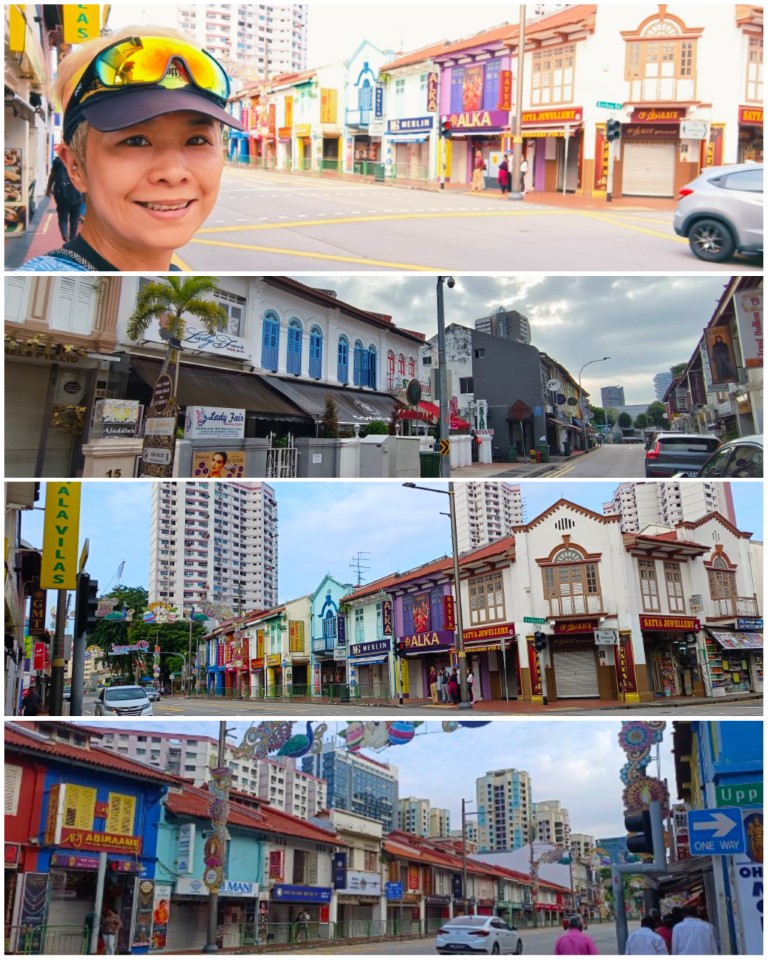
{"x":749,"y":319}
{"x":505,"y":90}
{"x":449,"y":613}
{"x":432,"y":93}
{"x":386,"y":618}
{"x":221,"y":464}
{"x":61,"y":531}
{"x":160,"y":915}
{"x":625,"y":665}
{"x":472,"y":88}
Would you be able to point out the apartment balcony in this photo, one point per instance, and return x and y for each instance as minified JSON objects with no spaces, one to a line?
{"x":576,"y":606}
{"x":358,"y":118}
{"x":729,"y":607}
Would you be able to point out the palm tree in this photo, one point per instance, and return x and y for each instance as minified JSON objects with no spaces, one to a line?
{"x":168,"y":301}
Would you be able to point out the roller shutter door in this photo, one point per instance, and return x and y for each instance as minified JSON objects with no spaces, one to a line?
{"x":187,"y":927}
{"x":575,"y":672}
{"x":26,"y":397}
{"x":65,"y":927}
{"x":649,"y":169}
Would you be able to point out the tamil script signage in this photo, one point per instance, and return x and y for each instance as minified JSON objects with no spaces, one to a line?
{"x":688,"y":624}
{"x":208,"y":423}
{"x":575,"y":626}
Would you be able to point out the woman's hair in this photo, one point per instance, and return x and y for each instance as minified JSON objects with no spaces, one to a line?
{"x":82,"y":54}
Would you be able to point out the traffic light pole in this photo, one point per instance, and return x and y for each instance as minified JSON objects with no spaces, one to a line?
{"x":58,"y":664}
{"x":618,"y":870}
{"x":78,"y":675}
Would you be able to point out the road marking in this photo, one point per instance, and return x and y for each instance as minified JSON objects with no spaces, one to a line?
{"x":631,"y":226}
{"x":318,"y":256}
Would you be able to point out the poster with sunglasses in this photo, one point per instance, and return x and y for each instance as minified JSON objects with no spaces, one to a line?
{"x":15,"y":208}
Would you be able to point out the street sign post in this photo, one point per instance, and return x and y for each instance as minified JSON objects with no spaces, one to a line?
{"x":534,"y":619}
{"x":741,"y":794}
{"x":717,"y":832}
{"x":607,"y":105}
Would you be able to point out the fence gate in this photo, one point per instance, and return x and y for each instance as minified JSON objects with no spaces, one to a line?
{"x":282,"y":461}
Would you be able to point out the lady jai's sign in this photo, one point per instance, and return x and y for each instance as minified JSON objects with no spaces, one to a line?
{"x":206,"y":423}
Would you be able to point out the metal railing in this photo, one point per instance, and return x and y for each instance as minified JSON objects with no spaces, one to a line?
{"x":329,"y":692}
{"x":28,"y":939}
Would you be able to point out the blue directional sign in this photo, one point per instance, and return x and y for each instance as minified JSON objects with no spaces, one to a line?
{"x":394,"y":891}
{"x":715,"y":833}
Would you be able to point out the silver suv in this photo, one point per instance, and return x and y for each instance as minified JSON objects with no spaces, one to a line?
{"x":673,"y":453}
{"x":721,"y":212}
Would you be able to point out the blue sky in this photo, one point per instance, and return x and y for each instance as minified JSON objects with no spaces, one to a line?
{"x":323,"y":526}
{"x":575,"y":761}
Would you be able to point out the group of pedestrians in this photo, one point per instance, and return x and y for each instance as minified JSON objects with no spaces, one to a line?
{"x":505,"y":175}
{"x":682,"y":932}
{"x":444,"y":685}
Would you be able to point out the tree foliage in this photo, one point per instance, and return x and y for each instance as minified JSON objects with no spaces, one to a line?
{"x":657,"y":415}
{"x":329,"y":425}
{"x":625,"y":421}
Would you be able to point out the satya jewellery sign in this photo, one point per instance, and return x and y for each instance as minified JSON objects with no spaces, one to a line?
{"x":61,"y":529}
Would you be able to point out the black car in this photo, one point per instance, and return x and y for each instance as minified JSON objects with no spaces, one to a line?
{"x":673,"y":453}
{"x":736,"y":459}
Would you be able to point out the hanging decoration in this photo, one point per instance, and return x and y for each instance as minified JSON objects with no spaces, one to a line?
{"x":637,"y":739}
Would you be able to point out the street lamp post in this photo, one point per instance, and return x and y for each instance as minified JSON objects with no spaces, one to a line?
{"x":581,"y":405}
{"x":516,"y":192}
{"x":442,"y":371}
{"x":459,"y":644}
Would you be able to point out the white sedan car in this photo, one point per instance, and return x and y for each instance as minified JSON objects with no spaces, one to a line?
{"x":478,"y":935}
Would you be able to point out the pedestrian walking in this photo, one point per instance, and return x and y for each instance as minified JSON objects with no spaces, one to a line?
{"x":574,"y":941}
{"x":453,"y":687}
{"x":302,"y":927}
{"x":67,"y":198}
{"x":31,"y":701}
{"x":110,"y":927}
{"x":664,"y":930}
{"x":440,"y":685}
{"x":142,"y":117}
{"x":478,"y":171}
{"x":503,"y":175}
{"x":694,"y":936}
{"x":471,"y":685}
{"x":646,"y":941}
{"x":433,"y":683}
{"x":446,"y":685}
{"x":523,"y":171}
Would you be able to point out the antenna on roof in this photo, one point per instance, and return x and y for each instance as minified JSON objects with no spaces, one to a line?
{"x":360,"y":567}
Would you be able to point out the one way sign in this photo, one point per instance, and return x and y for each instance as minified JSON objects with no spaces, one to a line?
{"x":715,"y":833}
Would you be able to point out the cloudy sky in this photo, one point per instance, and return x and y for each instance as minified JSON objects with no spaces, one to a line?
{"x":576,"y":762}
{"x":323,"y":526}
{"x":645,"y":324}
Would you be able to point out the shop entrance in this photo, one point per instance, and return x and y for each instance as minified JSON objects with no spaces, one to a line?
{"x":575,"y":667}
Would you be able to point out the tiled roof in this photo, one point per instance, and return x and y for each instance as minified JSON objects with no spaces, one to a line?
{"x":17,"y":737}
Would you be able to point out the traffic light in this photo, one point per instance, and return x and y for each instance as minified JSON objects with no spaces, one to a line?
{"x":446,"y":128}
{"x":640,"y":830}
{"x":613,"y":130}
{"x":540,"y":640}
{"x":86,"y":602}
{"x":400,"y":648}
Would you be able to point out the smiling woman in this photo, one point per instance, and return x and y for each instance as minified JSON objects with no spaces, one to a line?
{"x":143,"y":111}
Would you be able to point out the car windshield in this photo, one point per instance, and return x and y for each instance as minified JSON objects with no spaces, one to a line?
{"x":467,"y":922}
{"x":124,"y":693}
{"x":692,"y":444}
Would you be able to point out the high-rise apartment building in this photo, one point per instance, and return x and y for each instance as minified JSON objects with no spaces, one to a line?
{"x":276,"y":781}
{"x":213,"y":542}
{"x":611,"y":397}
{"x":439,"y":822}
{"x":260,"y":40}
{"x":642,"y":504}
{"x":507,"y":324}
{"x":552,"y":822}
{"x":486,"y":511}
{"x":416,"y":815}
{"x":356,"y":783}
{"x":504,"y":809}
{"x":662,"y":383}
{"x":582,"y":846}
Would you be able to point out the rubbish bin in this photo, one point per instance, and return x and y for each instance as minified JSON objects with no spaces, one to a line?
{"x":566,"y":448}
{"x":379,"y":172}
{"x":544,"y":451}
{"x":429,"y":464}
{"x":343,"y":689}
{"x":512,"y":455}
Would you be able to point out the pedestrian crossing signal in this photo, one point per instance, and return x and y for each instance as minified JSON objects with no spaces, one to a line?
{"x":613,"y":130}
{"x":540,"y":640}
{"x":446,"y":128}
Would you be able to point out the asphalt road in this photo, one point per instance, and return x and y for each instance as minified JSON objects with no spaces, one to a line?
{"x":536,"y":943}
{"x":275,"y":222}
{"x":625,"y":460}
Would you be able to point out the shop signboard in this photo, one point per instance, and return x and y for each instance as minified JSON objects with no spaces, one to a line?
{"x":362,"y":883}
{"x":209,"y":423}
{"x":688,"y":624}
{"x":158,"y":448}
{"x":747,"y":623}
{"x":37,"y":614}
{"x":185,"y":848}
{"x":495,"y":631}
{"x":195,"y":887}
{"x":292,"y":893}
{"x":95,"y":840}
{"x":114,"y":419}
{"x":394,"y":891}
{"x":59,"y":565}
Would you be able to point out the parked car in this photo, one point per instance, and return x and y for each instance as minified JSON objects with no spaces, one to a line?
{"x":123,"y":701}
{"x":673,"y":453}
{"x":721,"y":212}
{"x":478,"y":935}
{"x":152,"y":692}
{"x":735,"y":459}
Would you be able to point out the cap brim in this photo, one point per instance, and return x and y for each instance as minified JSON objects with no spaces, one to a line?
{"x":129,"y":107}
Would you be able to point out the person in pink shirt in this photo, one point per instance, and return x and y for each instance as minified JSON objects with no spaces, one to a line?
{"x":574,"y":941}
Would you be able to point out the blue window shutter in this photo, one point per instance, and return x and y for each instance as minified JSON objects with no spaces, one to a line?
{"x":294,"y":349}
{"x":372,"y":367}
{"x":270,"y":342}
{"x":343,"y":361}
{"x":315,"y":353}
{"x":358,"y":361}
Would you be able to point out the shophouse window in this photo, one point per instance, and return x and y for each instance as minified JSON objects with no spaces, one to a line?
{"x":571,"y":584}
{"x":360,"y":370}
{"x":359,"y":625}
{"x":674,"y":581}
{"x":304,"y":867}
{"x":411,"y":367}
{"x":660,"y":61}
{"x":234,"y":325}
{"x":370,"y":861}
{"x":722,"y":587}
{"x":270,"y":341}
{"x":486,"y":599}
{"x":754,"y":91}
{"x":457,"y":90}
{"x":342,"y":361}
{"x":79,"y":806}
{"x":649,"y":587}
{"x":121,"y":814}
{"x":316,"y":352}
{"x":491,"y":85}
{"x":390,"y":369}
{"x":552,"y":76}
{"x":293,"y":360}
{"x":372,"y":367}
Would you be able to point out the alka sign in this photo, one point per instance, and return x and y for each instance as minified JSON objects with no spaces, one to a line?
{"x":61,"y":530}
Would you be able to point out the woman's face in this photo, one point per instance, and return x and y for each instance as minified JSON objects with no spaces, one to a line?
{"x":149,"y":187}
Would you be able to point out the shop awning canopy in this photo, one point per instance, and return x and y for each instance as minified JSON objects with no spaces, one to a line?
{"x":408,"y":137}
{"x":373,"y":658}
{"x":352,"y":406}
{"x":431,"y":411}
{"x":209,"y":387}
{"x":736,"y":639}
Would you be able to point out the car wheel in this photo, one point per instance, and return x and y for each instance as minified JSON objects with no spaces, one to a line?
{"x":496,"y":949}
{"x":711,"y":240}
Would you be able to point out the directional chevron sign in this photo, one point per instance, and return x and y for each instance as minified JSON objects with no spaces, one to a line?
{"x":715,"y":833}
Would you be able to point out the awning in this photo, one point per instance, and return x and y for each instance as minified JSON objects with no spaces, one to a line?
{"x":207,"y":387}
{"x":737,"y":640}
{"x":378,"y":658}
{"x":352,"y":406}
{"x":430,"y":411}
{"x":407,"y":137}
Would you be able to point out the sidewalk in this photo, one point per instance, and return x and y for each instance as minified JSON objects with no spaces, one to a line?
{"x":522,"y":468}
{"x":588,"y":706}
{"x":42,"y":236}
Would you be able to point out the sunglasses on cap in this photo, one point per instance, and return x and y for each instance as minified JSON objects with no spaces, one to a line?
{"x":134,"y":62}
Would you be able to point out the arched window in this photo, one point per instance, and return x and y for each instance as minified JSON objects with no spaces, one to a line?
{"x":342,"y":362}
{"x":293,"y":363}
{"x":401,"y":366}
{"x":411,"y":367}
{"x":372,"y":358}
{"x":270,"y":341}
{"x":360,"y":370}
{"x":391,"y":369}
{"x":316,"y":352}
